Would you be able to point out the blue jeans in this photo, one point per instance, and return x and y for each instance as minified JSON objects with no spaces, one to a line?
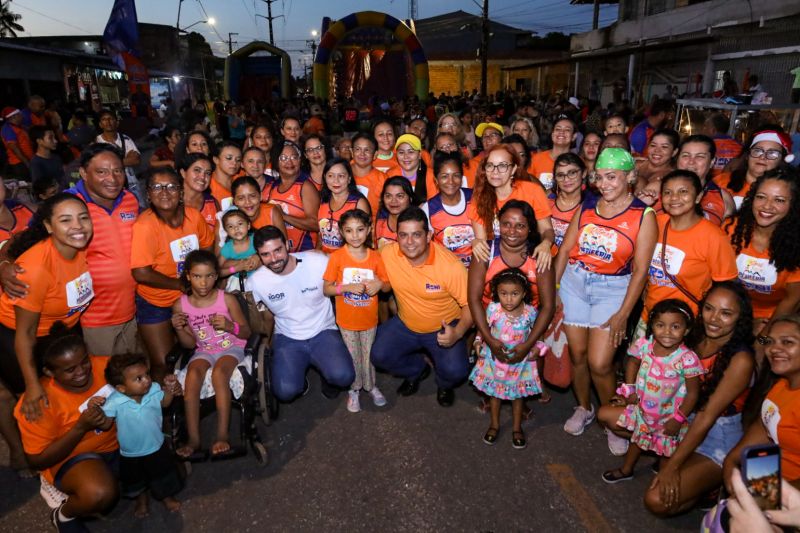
{"x":398,"y":350}
{"x":291,"y":358}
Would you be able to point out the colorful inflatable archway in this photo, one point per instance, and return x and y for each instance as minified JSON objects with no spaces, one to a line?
{"x":337,"y":31}
{"x":233,"y":68}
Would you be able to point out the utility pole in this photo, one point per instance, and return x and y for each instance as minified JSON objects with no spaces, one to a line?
{"x":596,"y":16}
{"x":269,"y":18}
{"x":230,"y":42}
{"x":412,"y":9}
{"x":485,"y":48}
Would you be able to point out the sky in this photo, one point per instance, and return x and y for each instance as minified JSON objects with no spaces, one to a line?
{"x":300,"y":17}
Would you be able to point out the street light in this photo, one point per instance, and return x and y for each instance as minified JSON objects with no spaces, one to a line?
{"x":211,"y":21}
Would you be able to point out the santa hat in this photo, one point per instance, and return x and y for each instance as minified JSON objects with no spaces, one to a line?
{"x":777,"y":137}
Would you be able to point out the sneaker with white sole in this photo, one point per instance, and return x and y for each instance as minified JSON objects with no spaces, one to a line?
{"x":377,"y":397}
{"x":579,"y":421}
{"x":353,"y":405}
{"x":616,"y":444}
{"x":51,"y":495}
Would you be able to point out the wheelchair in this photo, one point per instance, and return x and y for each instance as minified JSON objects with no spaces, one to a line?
{"x":251,"y":395}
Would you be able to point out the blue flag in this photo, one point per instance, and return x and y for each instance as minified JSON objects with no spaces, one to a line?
{"x":122,"y":31}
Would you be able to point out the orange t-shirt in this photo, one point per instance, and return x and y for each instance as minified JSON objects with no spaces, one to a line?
{"x":60,"y":289}
{"x":526,"y":191}
{"x":541,"y":168}
{"x":695,"y":257}
{"x":355,"y":312}
{"x":62,"y":414}
{"x":371,"y":186}
{"x":264,"y":217}
{"x":723,"y":180}
{"x":385,"y":164}
{"x":220,"y":194}
{"x":157,"y":245}
{"x":329,"y":234}
{"x":470,"y":169}
{"x":765,"y":285}
{"x":209,"y":210}
{"x":780,"y":414}
{"x":429,"y":293}
{"x":431,"y":189}
{"x":21,"y":216}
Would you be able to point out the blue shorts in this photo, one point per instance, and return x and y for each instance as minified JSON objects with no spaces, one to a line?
{"x":590,"y":299}
{"x":147,"y":313}
{"x":722,"y":437}
{"x":111,"y":460}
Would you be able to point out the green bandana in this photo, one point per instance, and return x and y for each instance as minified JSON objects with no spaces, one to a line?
{"x":615,"y":158}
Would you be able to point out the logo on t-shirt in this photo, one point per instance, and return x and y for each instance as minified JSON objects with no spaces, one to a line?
{"x":455,"y":237}
{"x":363,"y":190}
{"x":180,"y":248}
{"x":127,"y":215}
{"x":757,"y":274}
{"x":433,"y":287}
{"x":598,"y":242}
{"x":771,"y":417}
{"x":356,"y":275}
{"x":79,"y":292}
{"x":276,"y":297}
{"x":547,"y":180}
{"x":673,"y":257}
{"x":329,"y":233}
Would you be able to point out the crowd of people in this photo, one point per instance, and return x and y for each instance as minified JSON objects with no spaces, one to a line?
{"x":454,"y":237}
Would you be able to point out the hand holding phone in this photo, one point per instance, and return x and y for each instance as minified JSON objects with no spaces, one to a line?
{"x":761,"y":473}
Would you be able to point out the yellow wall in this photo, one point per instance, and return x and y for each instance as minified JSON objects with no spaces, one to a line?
{"x":455,"y":77}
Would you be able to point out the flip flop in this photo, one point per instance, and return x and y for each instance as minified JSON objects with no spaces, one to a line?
{"x":616,"y":475}
{"x":230,"y":453}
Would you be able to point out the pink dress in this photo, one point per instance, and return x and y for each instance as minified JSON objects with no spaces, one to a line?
{"x":212,"y":343}
{"x":661,"y":388}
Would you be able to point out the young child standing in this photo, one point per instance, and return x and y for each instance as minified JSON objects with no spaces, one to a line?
{"x":237,"y":254}
{"x":508,"y":375}
{"x":211,"y":321}
{"x":354,"y":275}
{"x":653,"y":410}
{"x":145,"y":463}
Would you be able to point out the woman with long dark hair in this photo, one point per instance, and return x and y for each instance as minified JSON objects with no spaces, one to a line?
{"x":339,"y":195}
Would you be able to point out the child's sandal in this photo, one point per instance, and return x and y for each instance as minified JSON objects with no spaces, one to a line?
{"x":490,"y":437}
{"x":518,"y":440}
{"x":616,"y":475}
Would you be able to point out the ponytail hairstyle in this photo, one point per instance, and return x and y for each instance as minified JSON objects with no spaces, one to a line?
{"x":36,"y":231}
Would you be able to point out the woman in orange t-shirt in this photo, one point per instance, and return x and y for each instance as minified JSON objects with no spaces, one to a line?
{"x":397,"y":195}
{"x":369,"y":179}
{"x":563,"y":135}
{"x":779,"y":408}
{"x":73,"y":444}
{"x":384,"y":134}
{"x":339,"y":194}
{"x":163,"y":236}
{"x":227,"y":166}
{"x":499,"y":179}
{"x":60,"y":289}
{"x":696,"y":251}
{"x":53,"y":255}
{"x":764,"y":236}
{"x":196,"y":169}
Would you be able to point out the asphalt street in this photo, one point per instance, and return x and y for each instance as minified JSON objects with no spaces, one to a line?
{"x":409,"y":466}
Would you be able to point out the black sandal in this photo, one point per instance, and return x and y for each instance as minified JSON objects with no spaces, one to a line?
{"x":490,"y":437}
{"x":518,"y":440}
{"x":616,"y":475}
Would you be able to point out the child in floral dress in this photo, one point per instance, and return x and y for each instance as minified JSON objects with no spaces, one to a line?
{"x":508,"y":375}
{"x":658,"y":404}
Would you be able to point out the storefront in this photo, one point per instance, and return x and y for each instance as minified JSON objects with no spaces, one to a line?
{"x":95,"y":85}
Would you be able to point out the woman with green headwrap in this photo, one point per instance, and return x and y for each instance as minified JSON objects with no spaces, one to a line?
{"x":601,"y":270}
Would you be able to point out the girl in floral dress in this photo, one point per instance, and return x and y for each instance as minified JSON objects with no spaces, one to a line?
{"x":653,"y":411}
{"x":507,"y":374}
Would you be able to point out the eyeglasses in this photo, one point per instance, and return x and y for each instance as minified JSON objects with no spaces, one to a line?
{"x":285,"y":158}
{"x":771,"y":155}
{"x":171,"y":188}
{"x":574,"y":173}
{"x":315,"y":149}
{"x":502,"y":168}
{"x":492,"y":134}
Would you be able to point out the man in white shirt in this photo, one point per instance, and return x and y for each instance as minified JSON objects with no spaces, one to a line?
{"x":109,"y":123}
{"x":290,"y":286}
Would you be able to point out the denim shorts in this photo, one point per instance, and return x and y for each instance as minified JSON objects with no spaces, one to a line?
{"x":590,"y":299}
{"x":111,"y":460}
{"x":722,"y":437}
{"x":147,"y":313}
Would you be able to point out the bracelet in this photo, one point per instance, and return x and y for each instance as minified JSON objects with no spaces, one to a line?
{"x":232,"y":270}
{"x":235,"y":329}
{"x":677,"y":415}
{"x":338,"y":289}
{"x":558,"y":286}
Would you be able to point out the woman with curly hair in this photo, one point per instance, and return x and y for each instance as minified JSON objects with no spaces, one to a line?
{"x":722,"y":337}
{"x":769,"y":148}
{"x":764,"y":237}
{"x":501,"y":178}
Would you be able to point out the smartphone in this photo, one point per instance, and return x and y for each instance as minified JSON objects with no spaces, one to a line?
{"x":761,"y":470}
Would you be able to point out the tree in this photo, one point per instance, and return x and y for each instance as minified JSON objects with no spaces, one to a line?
{"x":8,"y":20}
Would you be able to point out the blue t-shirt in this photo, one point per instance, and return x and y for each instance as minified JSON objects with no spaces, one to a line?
{"x":228,"y":252}
{"x":138,"y":424}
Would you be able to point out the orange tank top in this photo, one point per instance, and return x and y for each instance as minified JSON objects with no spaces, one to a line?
{"x":454,"y":232}
{"x":384,"y":234}
{"x":713,"y":203}
{"x":738,"y":404}
{"x":291,"y":203}
{"x":560,"y":220}
{"x":497,"y":264}
{"x":606,"y":245}
{"x":329,"y":232}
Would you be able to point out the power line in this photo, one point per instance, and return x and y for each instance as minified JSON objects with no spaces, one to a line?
{"x":54,"y":19}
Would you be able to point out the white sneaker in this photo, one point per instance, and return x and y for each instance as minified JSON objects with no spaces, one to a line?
{"x":51,"y":495}
{"x":616,"y":444}
{"x":377,"y":397}
{"x":353,"y":405}
{"x":579,"y":421}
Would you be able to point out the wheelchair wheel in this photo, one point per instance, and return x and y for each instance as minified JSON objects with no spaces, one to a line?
{"x":260,"y":451}
{"x":267,"y":403}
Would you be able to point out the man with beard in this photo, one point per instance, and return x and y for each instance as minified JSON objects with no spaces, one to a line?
{"x":290,"y":286}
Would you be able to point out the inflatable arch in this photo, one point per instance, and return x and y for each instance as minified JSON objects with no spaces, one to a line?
{"x":233,"y":68}
{"x":342,"y":27}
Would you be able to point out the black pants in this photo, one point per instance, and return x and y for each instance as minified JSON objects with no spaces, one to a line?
{"x":10,"y":373}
